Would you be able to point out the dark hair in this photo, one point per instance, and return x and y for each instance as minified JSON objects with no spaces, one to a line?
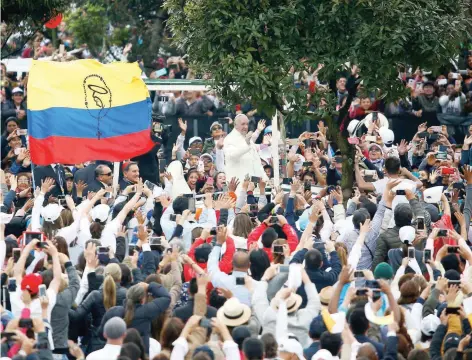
{"x":179,"y":205}
{"x":47,"y":276}
{"x":133,"y":337}
{"x":61,"y":245}
{"x":131,"y":350}
{"x":418,"y":354}
{"x":216,"y":300}
{"x":200,"y":355}
{"x":358,"y":321}
{"x":128,"y":165}
{"x":259,"y":263}
{"x":392,"y":165}
{"x":359,"y":217}
{"x":270,"y":345}
{"x":10,"y":119}
{"x":268,"y":237}
{"x":171,"y":332}
{"x":313,"y":259}
{"x":331,"y":342}
{"x":253,"y":349}
{"x":369,"y":206}
{"x":126,"y":276}
{"x":96,"y":229}
{"x":403,"y":215}
{"x":450,"y":262}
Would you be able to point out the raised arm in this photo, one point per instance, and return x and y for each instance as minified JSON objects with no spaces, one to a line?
{"x":130,"y":205}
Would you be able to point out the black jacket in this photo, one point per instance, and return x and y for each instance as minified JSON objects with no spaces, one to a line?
{"x":42,"y":172}
{"x":9,"y":110}
{"x":143,"y":314}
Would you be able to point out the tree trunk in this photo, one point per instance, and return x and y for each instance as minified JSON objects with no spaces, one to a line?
{"x":156,"y":38}
{"x":348,"y":154}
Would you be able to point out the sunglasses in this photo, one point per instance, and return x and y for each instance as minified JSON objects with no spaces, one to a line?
{"x":216,"y":128}
{"x":107,"y":174}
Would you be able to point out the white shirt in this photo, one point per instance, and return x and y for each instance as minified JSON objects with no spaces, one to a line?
{"x":17,"y":304}
{"x":109,"y":352}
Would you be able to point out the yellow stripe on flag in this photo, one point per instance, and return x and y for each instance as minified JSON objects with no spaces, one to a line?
{"x":84,"y":84}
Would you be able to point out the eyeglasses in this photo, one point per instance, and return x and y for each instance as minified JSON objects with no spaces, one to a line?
{"x":216,"y":128}
{"x":108,"y":174}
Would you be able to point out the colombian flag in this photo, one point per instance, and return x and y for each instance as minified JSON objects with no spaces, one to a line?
{"x":84,"y":110}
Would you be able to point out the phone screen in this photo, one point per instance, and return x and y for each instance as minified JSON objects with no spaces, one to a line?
{"x":411,"y":253}
{"x":420,"y":223}
{"x":427,"y":255}
{"x":191,"y":205}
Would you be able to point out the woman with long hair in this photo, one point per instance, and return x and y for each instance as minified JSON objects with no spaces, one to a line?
{"x":139,"y":313}
{"x":98,"y":302}
{"x":242,"y":227}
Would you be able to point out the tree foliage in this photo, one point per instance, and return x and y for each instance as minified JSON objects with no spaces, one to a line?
{"x":118,"y":22}
{"x":255,"y":43}
{"x":23,"y":17}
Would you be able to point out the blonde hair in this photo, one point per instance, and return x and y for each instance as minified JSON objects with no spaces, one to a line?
{"x":112,"y":276}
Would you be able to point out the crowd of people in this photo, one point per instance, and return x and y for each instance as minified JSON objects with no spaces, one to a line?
{"x":205,"y":255}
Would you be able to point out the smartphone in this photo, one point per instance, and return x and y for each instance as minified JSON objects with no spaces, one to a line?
{"x":319,"y":245}
{"x":358,"y":274}
{"x":420,"y":223}
{"x":25,"y":324}
{"x":376,"y":294}
{"x":423,"y":135}
{"x":455,"y":76}
{"x":442,"y":82}
{"x":338,"y":159}
{"x":307,"y":163}
{"x":255,"y":179}
{"x":61,"y":200}
{"x":201,"y":166}
{"x":274,"y":220}
{"x":150,"y":185}
{"x":372,"y":284}
{"x":32,"y":235}
{"x":254,"y":208}
{"x":283,"y":268}
{"x":210,"y":181}
{"x":102,"y":250}
{"x":411,"y":252}
{"x":162,"y":165}
{"x":18,"y":151}
{"x":278,"y":249}
{"x":8,"y":335}
{"x":155,"y":243}
{"x":452,"y":249}
{"x":361,"y":292}
{"x":213,"y":231}
{"x":42,"y":290}
{"x":42,"y":245}
{"x":191,"y":205}
{"x":353,"y":140}
{"x":451,"y":310}
{"x":286,"y":181}
{"x":16,"y":252}
{"x":370,"y":138}
{"x":400,"y":192}
{"x":458,"y":186}
{"x":12,"y":285}
{"x":21,"y":132}
{"x":442,"y":233}
{"x":240,"y":281}
{"x":447,"y":171}
{"x":427,"y":255}
{"x":173,"y":217}
{"x":453,"y":282}
{"x":205,"y":323}
{"x":131,"y":249}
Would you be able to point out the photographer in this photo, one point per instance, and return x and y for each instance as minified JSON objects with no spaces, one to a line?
{"x":453,"y":101}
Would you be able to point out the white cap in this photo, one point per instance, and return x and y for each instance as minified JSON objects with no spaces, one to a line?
{"x":100,"y":213}
{"x":17,"y":90}
{"x":407,"y":233}
{"x":381,"y":118}
{"x":351,"y":128}
{"x":429,"y":324}
{"x":195,"y":138}
{"x":51,"y":212}
{"x":291,"y":346}
{"x":433,"y":195}
{"x":322,"y":354}
{"x":387,"y":135}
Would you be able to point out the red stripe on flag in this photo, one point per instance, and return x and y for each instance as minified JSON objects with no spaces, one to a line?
{"x":68,"y":150}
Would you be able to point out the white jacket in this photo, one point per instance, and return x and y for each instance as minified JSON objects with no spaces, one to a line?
{"x":241,"y":158}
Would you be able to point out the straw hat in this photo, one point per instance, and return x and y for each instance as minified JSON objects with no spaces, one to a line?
{"x":293,"y":302}
{"x":234,"y":313}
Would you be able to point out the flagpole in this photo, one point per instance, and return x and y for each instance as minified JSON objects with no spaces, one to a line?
{"x":275,"y":151}
{"x":116,"y":177}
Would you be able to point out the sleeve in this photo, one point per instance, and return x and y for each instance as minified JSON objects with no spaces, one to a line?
{"x":313,"y":306}
{"x":292,"y":238}
{"x":380,"y":251}
{"x":180,"y":349}
{"x":259,"y":300}
{"x":226,"y":262}
{"x":210,"y":221}
{"x":218,"y":278}
{"x":339,"y":213}
{"x":36,"y":213}
{"x":289,"y":214}
{"x":149,"y":264}
{"x":70,"y":293}
{"x":444,"y":100}
{"x":232,"y":151}
{"x":468,"y":207}
{"x":256,"y":234}
{"x":299,"y":257}
{"x":220,"y":160}
{"x":436,"y":342}
{"x":325,"y":231}
{"x":180,"y":144}
{"x":431,"y":303}
{"x":281,"y":323}
{"x":391,"y":348}
{"x":241,"y":200}
{"x":160,"y":303}
{"x":231,"y":350}
{"x":84,"y":286}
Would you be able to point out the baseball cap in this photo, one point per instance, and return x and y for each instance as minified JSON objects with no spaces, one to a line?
{"x":291,"y":346}
{"x":387,"y":136}
{"x":429,"y":324}
{"x":433,"y":195}
{"x":31,"y":283}
{"x":114,"y":328}
{"x":194,"y":139}
{"x":215,"y":123}
{"x":17,"y":90}
{"x":407,"y":233}
{"x":268,"y":130}
{"x":51,"y":212}
{"x":100,"y":213}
